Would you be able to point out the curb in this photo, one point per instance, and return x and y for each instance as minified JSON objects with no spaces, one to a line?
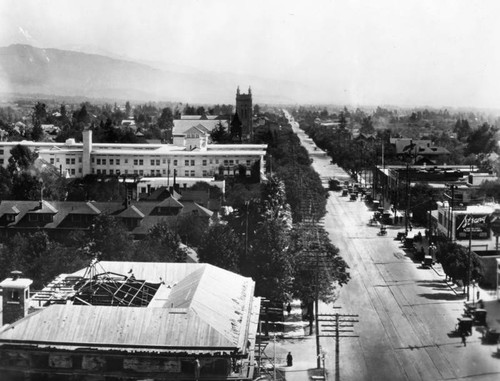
{"x":457,"y":290}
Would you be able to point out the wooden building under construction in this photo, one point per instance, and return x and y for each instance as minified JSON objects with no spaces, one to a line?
{"x":131,"y":321}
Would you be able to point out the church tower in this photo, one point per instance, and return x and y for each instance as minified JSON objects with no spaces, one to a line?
{"x":244,"y":109}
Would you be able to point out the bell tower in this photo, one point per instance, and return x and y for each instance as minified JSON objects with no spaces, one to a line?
{"x":244,"y":109}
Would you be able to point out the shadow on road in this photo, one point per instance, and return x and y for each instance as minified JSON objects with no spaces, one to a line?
{"x":432,"y":283}
{"x":442,"y":296}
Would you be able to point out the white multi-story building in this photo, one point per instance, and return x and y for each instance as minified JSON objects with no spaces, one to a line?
{"x":189,"y":157}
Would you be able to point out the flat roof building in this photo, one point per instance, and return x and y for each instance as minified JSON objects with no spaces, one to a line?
{"x":191,"y":156}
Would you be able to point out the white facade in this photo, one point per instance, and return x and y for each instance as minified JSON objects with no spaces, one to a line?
{"x":470,"y":223}
{"x":159,"y":160}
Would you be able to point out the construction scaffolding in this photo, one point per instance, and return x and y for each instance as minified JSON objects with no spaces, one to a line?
{"x":97,"y":287}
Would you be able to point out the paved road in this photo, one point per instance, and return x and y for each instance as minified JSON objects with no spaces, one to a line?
{"x":406,"y":313}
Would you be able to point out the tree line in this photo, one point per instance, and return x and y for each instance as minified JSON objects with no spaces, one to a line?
{"x":271,"y":235}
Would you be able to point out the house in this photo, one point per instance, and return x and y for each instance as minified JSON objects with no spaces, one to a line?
{"x":58,"y":218}
{"x":130,"y":321}
{"x":418,"y":149}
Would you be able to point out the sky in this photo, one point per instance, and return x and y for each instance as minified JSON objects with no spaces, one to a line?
{"x":374,"y":52}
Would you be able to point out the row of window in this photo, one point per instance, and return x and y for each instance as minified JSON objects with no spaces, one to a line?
{"x":157,"y":162}
{"x":141,"y":172}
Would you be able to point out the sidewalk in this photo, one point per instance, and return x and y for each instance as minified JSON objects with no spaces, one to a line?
{"x":489,"y":298}
{"x":295,"y":339}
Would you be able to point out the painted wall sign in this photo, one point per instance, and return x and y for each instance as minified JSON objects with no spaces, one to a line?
{"x":472,"y":226}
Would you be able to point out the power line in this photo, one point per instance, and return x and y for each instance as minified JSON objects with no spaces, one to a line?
{"x":340,"y":324}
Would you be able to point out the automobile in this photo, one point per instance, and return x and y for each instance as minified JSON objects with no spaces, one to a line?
{"x":491,"y":336}
{"x":427,"y":262}
{"x":353,"y":197}
{"x":480,"y":317}
{"x":464,"y":326}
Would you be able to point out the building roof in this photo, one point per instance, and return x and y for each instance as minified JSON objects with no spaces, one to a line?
{"x":169,"y":202}
{"x":131,"y":212}
{"x":16,"y":283}
{"x":43,"y":207}
{"x":62,"y":211}
{"x":198,"y":117}
{"x":198,"y":129}
{"x":207,"y":310}
{"x":418,"y":147}
{"x":182,"y":125}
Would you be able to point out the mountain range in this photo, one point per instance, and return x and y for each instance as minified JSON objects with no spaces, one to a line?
{"x":29,"y":70}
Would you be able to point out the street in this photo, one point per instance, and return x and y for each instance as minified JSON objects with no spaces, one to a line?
{"x":406,"y":313}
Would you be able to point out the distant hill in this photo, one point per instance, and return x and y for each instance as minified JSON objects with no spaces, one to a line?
{"x":25,"y":69}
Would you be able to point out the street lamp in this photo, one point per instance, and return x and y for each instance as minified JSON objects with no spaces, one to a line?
{"x":469,"y":262}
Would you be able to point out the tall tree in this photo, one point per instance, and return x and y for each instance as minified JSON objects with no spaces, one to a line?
{"x":128,"y":109}
{"x":367,"y":125}
{"x":342,"y":120}
{"x":236,"y":127}
{"x":5,"y":184}
{"x":317,"y":264}
{"x":21,"y":159}
{"x":166,"y":119}
{"x":455,"y":261}
{"x":162,"y":244}
{"x":108,"y":239}
{"x":219,"y":134}
{"x":221,"y":247}
{"x":482,"y":140}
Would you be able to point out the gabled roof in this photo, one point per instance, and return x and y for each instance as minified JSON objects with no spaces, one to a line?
{"x":182,"y":125}
{"x":62,"y":212}
{"x":193,"y":207}
{"x":85,"y":208}
{"x":169,"y":203}
{"x":200,"y":130}
{"x":8,"y":209}
{"x":44,"y":207}
{"x":131,"y":212}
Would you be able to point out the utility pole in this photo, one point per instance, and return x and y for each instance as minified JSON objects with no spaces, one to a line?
{"x":407,"y":197}
{"x":274,"y":357}
{"x":450,"y":213}
{"x":469,"y":264}
{"x":340,"y":328}
{"x":316,"y":311}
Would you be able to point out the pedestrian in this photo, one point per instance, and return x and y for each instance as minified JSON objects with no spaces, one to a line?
{"x":197,"y":367}
{"x":288,"y":309}
{"x":419,"y":237}
{"x":289,"y":359}
{"x":464,"y":339}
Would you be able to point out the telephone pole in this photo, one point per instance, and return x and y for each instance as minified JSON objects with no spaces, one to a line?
{"x":339,"y":325}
